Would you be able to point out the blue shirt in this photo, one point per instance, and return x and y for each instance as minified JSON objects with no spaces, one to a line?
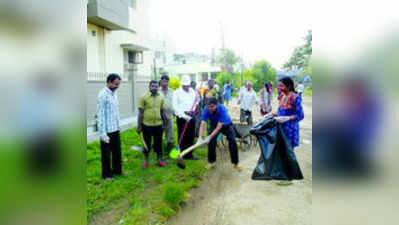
{"x":107,"y":111}
{"x":221,"y":115}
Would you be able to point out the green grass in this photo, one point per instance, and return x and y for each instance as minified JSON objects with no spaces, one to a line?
{"x":308,"y":91}
{"x":143,"y":196}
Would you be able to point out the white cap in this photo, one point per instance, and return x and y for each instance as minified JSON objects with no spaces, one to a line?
{"x":185,"y":80}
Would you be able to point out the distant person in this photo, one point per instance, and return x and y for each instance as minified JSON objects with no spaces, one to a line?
{"x":265,"y":99}
{"x":152,"y":121}
{"x":219,"y":122}
{"x":247,"y":99}
{"x":300,"y":88}
{"x":227,"y":91}
{"x":198,"y":109}
{"x":212,"y":91}
{"x":167,"y":94}
{"x":109,"y":128}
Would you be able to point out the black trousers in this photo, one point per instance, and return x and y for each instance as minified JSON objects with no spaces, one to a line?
{"x":188,"y":138}
{"x":153,"y":134}
{"x":246,"y":116}
{"x":114,"y":149}
{"x":228,"y":131}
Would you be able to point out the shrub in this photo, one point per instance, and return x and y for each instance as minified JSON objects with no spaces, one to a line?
{"x":166,"y":211}
{"x":174,"y":83}
{"x":173,"y":194}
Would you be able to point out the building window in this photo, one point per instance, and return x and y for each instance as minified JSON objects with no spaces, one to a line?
{"x":130,"y":56}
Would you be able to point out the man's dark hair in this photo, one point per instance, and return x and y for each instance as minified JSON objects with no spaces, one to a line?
{"x":153,"y":82}
{"x":113,"y":76}
{"x":212,"y":100}
{"x":164,"y":77}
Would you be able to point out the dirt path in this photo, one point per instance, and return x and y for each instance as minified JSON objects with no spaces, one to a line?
{"x":227,"y":197}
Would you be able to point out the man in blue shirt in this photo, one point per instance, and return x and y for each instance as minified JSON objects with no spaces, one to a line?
{"x":219,"y":121}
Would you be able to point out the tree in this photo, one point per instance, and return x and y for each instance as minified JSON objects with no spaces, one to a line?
{"x":228,"y":58}
{"x":260,"y":73}
{"x":301,"y":56}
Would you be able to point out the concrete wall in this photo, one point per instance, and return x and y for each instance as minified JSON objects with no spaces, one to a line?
{"x":113,"y":15}
{"x":125,"y":96}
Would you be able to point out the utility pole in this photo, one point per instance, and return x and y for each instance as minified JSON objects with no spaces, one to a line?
{"x":155,"y":68}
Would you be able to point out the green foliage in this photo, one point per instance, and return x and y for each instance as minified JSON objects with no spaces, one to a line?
{"x":260,"y":73}
{"x":300,"y":58}
{"x":308,"y":92}
{"x":166,"y":211}
{"x":174,"y":83}
{"x":142,"y":196}
{"x":222,"y":78}
{"x":173,"y":195}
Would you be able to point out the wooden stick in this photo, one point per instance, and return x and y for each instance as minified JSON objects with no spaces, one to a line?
{"x":142,"y":140}
{"x":189,"y":149}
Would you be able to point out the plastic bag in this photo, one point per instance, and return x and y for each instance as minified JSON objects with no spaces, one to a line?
{"x":277,"y":160}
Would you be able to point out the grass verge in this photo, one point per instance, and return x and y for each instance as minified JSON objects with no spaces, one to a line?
{"x":142,"y":196}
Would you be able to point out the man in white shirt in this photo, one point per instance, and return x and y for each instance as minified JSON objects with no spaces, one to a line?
{"x":184,"y":103}
{"x":247,"y":99}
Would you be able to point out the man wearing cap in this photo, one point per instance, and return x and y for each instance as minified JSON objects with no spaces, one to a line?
{"x":184,"y":104}
{"x":167,"y":94}
{"x":219,"y":122}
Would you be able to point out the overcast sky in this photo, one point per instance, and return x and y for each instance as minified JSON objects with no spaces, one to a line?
{"x":255,"y":29}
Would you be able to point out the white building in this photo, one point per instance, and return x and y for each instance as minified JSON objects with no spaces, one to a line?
{"x":200,"y":67}
{"x":118,"y":41}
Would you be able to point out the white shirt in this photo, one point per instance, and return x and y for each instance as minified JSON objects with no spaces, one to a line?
{"x":183,"y":101}
{"x":247,"y":98}
{"x":300,"y":88}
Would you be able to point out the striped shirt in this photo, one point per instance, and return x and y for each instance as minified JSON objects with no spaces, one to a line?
{"x":107,"y":111}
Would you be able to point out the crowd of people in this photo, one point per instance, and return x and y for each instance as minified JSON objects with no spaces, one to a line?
{"x":192,"y":108}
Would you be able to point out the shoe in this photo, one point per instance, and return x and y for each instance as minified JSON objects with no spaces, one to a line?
{"x":161,"y":163}
{"x":145,"y":165}
{"x":238,"y":168}
{"x":285,"y":182}
{"x":210,"y":166}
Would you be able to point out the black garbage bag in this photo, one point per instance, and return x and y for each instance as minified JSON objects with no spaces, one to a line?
{"x":277,"y":160}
